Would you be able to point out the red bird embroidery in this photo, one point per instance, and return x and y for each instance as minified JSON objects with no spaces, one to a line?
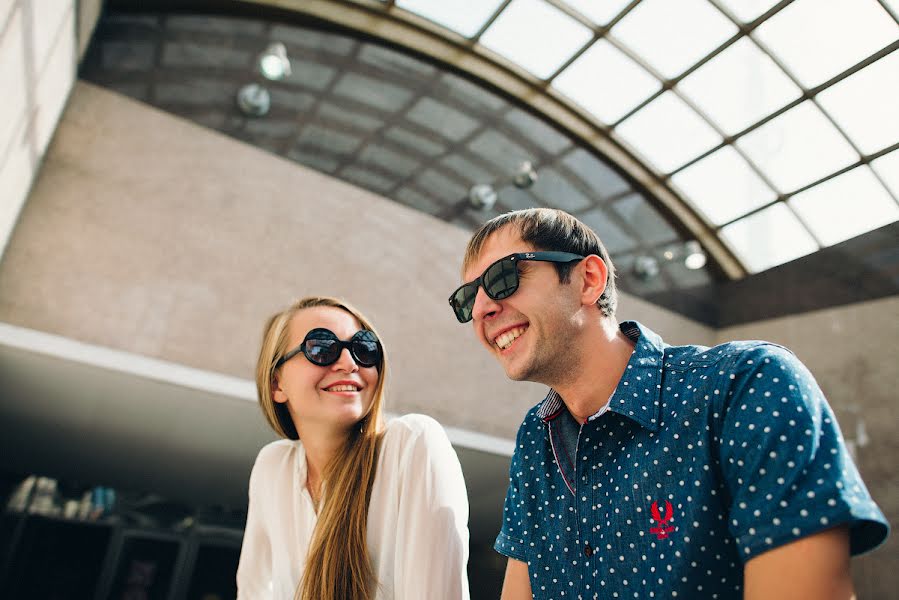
{"x":663,"y":528}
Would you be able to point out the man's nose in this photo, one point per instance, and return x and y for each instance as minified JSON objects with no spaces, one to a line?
{"x":484,"y":305}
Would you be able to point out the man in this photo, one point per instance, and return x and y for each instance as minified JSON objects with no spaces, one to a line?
{"x":652,"y":471}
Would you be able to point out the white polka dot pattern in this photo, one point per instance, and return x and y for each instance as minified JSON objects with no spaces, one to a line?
{"x":705,"y":458}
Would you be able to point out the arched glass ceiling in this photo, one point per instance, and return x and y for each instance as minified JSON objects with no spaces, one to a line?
{"x":776,"y":121}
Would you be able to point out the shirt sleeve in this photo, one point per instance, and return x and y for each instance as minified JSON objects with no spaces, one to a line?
{"x":787,"y":471}
{"x":254,"y":571}
{"x":432,"y":532}
{"x":511,"y":539}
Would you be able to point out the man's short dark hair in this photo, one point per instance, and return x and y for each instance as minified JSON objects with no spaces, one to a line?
{"x":550,"y":229}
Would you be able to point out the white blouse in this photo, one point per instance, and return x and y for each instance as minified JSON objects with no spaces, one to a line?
{"x":417,"y":518}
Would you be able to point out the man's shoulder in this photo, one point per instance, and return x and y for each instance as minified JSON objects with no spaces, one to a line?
{"x":726,"y":353}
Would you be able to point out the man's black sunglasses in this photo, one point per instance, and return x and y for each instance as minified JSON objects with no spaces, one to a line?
{"x":322,"y":347}
{"x":500,"y":280}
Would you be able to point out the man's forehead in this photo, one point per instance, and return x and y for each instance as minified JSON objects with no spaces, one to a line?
{"x":498,"y":244}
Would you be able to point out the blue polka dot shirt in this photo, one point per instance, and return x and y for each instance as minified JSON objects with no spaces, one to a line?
{"x":702,"y":459}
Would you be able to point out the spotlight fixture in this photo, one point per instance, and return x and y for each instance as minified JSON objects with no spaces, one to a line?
{"x":273,"y":63}
{"x":646,"y":267}
{"x":694,"y":257}
{"x":526,"y":175}
{"x":482,"y":196}
{"x":254,"y":100}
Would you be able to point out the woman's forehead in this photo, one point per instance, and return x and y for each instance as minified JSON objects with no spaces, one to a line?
{"x":337,"y":320}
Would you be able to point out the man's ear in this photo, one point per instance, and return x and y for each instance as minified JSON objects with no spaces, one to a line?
{"x":595,"y":276}
{"x":278,"y":395}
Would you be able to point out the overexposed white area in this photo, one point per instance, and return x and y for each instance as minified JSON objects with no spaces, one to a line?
{"x":463,"y":16}
{"x":865,"y":104}
{"x":723,"y":186}
{"x":798,"y":147}
{"x":769,"y":237}
{"x":748,"y":10}
{"x":846,"y":206}
{"x":536,"y":35}
{"x":600,"y":12}
{"x":739,"y":87}
{"x":672,"y":36}
{"x":606,"y":82}
{"x":818,"y":39}
{"x":668,"y":132}
{"x":887,"y":166}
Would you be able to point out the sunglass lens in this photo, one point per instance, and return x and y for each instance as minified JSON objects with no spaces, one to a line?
{"x":366,"y":349}
{"x":463,"y":302}
{"x":501,"y":279}
{"x":322,"y":351}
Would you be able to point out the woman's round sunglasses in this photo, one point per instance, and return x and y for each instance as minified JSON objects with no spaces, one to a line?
{"x":322,"y":347}
{"x":500,"y":280}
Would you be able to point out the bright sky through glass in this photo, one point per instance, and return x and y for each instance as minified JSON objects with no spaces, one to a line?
{"x":824,"y":207}
{"x":606,"y":82}
{"x":866,"y":104}
{"x":817,"y":39}
{"x":536,"y":35}
{"x":599,"y":11}
{"x":739,"y":87}
{"x":723,"y":186}
{"x":769,"y":238}
{"x":672,"y":36}
{"x":797,"y":148}
{"x":462,"y":16}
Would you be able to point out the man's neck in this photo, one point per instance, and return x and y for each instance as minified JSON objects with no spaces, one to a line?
{"x":603,"y":357}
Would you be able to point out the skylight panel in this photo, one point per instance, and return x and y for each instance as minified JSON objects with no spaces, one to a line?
{"x":817,"y":39}
{"x":797,"y":148}
{"x":605,"y":82}
{"x":888,"y":168}
{"x":824,"y":207}
{"x":599,"y":12}
{"x":668,"y":132}
{"x":672,"y":36}
{"x":768,"y":238}
{"x":865,"y":104}
{"x":739,"y":86}
{"x":723,"y":186}
{"x":748,"y":10}
{"x":462,"y":16}
{"x":535,"y":35}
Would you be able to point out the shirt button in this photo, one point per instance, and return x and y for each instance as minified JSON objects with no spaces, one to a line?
{"x":588,"y":551}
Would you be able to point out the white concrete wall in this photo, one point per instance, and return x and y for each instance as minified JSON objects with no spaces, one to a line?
{"x":37,"y":70}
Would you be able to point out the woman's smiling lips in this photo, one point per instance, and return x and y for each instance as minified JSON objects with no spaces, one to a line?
{"x":344,"y":386}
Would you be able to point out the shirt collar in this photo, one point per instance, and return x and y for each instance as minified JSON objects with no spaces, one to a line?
{"x":640,"y":387}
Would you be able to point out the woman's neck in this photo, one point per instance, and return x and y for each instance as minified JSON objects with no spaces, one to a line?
{"x":320,"y":447}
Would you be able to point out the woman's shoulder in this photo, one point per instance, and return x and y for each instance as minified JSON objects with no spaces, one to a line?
{"x":276,"y":454}
{"x":412,"y":426}
{"x":415,"y":435}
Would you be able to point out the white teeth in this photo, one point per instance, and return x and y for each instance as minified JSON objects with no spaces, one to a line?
{"x":505,"y":340}
{"x":342,"y":388}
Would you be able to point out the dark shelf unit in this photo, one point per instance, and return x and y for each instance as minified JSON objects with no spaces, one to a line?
{"x":51,"y":558}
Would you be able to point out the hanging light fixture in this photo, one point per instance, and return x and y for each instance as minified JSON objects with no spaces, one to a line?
{"x":694,"y":257}
{"x":253,"y":100}
{"x":273,"y":63}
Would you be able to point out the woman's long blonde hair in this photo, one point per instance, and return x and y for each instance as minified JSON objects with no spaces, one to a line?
{"x":338,"y":566}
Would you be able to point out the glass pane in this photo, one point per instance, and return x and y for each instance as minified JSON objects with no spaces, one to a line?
{"x":739,"y":87}
{"x":846,"y":206}
{"x":375,"y":93}
{"x":888,"y":169}
{"x":613,"y":238}
{"x":535,"y":35}
{"x":817,"y":39}
{"x":597,"y":175}
{"x":668,"y":132}
{"x":600,"y":12}
{"x":606,"y":82}
{"x":748,"y":10}
{"x":446,"y":121}
{"x":650,"y":225}
{"x":864,"y":105}
{"x":723,"y":186}
{"x":672,"y":36}
{"x":768,"y":238}
{"x":797,"y":148}
{"x":556,"y":190}
{"x":463,"y":16}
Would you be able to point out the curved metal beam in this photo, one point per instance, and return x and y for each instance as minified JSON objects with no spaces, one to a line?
{"x":383,"y":20}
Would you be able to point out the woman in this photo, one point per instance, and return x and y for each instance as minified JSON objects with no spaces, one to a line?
{"x":346,"y":507}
